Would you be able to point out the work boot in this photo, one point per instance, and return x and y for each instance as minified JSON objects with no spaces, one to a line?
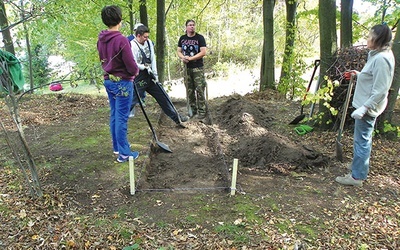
{"x":200,"y":116}
{"x":181,"y":121}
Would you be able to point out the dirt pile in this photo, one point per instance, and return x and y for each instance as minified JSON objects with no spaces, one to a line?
{"x":242,"y":128}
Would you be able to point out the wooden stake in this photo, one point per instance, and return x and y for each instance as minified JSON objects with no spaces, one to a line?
{"x":132,"y":174}
{"x":234,"y":176}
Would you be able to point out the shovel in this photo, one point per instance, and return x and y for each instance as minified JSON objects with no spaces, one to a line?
{"x":159,"y":85}
{"x":339,"y":145}
{"x":163,"y":146}
{"x":301,"y":116}
{"x":185,"y":81}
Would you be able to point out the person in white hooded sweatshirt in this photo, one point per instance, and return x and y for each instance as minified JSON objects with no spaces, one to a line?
{"x":370,"y":100}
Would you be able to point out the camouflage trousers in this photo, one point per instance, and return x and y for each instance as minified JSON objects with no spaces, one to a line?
{"x":195,"y":83}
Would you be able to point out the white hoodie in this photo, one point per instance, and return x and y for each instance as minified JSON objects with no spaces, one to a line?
{"x":374,"y":81}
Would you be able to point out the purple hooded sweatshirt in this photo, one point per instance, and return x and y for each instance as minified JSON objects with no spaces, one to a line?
{"x":116,"y":55}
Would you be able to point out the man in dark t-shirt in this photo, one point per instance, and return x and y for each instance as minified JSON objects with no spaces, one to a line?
{"x":191,"y":50}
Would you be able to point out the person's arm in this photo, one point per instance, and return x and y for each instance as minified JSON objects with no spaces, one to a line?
{"x":382,"y":81}
{"x":201,"y":54}
{"x":153,"y":60}
{"x":136,"y":54}
{"x":181,"y":56}
{"x":380,"y":87}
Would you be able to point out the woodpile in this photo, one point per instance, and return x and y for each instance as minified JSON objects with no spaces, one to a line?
{"x":352,"y":58}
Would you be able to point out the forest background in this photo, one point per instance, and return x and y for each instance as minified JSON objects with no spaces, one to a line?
{"x":280,"y":39}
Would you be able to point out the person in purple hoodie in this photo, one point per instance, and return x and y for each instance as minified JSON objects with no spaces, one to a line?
{"x":120,"y":69}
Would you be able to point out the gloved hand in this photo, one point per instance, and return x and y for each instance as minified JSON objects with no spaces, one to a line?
{"x":149,"y":70}
{"x":359,"y":113}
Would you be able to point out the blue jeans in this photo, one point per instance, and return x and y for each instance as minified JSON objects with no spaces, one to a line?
{"x":120,"y":98}
{"x":362,"y":146}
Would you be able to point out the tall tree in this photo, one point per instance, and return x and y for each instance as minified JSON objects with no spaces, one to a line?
{"x":143,"y":12}
{"x":346,"y":23}
{"x":131,"y":21}
{"x":267,"y":74}
{"x":328,"y":46}
{"x":5,"y":29}
{"x":291,"y":6}
{"x":28,"y":47}
{"x":160,"y":39}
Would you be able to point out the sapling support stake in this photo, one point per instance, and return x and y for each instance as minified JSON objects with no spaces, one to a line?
{"x":132,"y":174}
{"x":234,"y":176}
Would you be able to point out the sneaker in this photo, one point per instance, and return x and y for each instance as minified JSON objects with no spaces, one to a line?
{"x":117,"y":153}
{"x":132,"y":113}
{"x":348,"y":180}
{"x":121,"y":158}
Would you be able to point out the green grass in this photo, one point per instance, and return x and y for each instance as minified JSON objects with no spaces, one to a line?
{"x":308,"y":230}
{"x":237,"y":233}
{"x":247,"y":208}
{"x":4,"y":210}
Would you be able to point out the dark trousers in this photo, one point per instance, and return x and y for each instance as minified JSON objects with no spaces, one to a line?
{"x":147,"y":85}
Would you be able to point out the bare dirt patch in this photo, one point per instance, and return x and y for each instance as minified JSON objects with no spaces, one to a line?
{"x":286,"y":193}
{"x":238,"y":127}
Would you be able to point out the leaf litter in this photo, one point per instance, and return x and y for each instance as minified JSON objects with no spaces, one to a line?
{"x":286,"y":197}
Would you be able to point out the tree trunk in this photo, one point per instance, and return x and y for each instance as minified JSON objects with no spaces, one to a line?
{"x":267,"y":74}
{"x":287,"y":63}
{"x":328,"y":47}
{"x":160,"y":40}
{"x":346,"y":23}
{"x":131,"y":24}
{"x":28,"y":47}
{"x":394,"y":90}
{"x":5,"y":31}
{"x":12,"y":104}
{"x":143,"y":13}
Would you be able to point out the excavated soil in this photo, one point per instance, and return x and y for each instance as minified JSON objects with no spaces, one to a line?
{"x":237,"y":127}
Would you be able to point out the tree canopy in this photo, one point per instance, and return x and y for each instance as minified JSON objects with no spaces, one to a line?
{"x":234,"y":31}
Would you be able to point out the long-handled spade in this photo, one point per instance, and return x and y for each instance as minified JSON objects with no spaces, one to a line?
{"x":185,"y":78}
{"x":339,"y":145}
{"x":302,"y":115}
{"x":159,"y":85}
{"x":163,"y":146}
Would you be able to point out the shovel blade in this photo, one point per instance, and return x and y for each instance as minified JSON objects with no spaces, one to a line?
{"x":298,"y":119}
{"x":339,"y":150}
{"x":164,"y":147}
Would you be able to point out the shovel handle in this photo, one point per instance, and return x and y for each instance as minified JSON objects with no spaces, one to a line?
{"x":346,"y":106}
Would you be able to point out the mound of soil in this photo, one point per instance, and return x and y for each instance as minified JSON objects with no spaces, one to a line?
{"x":237,"y":127}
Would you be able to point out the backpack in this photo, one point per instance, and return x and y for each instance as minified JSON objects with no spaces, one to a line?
{"x":11,"y":64}
{"x":131,"y":37}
